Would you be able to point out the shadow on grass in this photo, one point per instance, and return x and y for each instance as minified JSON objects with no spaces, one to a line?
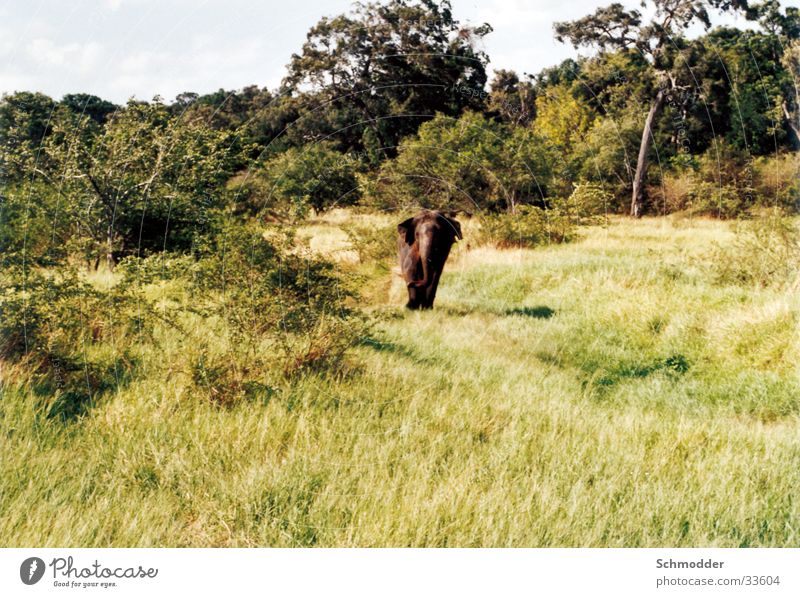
{"x":386,"y":346}
{"x":68,"y":389}
{"x":393,"y":348}
{"x":538,"y":312}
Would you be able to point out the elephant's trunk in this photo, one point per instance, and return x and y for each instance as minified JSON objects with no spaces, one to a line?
{"x":425,"y":250}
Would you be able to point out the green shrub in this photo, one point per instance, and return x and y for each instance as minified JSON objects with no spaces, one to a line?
{"x":529,"y":227}
{"x":471,"y":163}
{"x":766,"y":252}
{"x":589,"y":200}
{"x":726,"y":202}
{"x":53,"y":324}
{"x":42,"y":315}
{"x":226,"y":380}
{"x":259,"y":285}
{"x":314,"y":177}
{"x":726,"y":182}
{"x":675,"y":191}
{"x":29,"y":224}
{"x":372,"y":243}
{"x":723,"y":185}
{"x":283,"y":313}
{"x":778,"y":181}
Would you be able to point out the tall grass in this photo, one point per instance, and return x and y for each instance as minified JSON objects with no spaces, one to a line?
{"x":610,"y":392}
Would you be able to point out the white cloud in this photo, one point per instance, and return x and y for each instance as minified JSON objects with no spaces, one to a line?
{"x":10,"y":82}
{"x":79,"y":57}
{"x":521,"y":15}
{"x":168,"y":73}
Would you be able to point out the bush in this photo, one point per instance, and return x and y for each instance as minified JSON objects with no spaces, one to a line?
{"x":589,"y":200}
{"x":766,"y":252}
{"x":675,"y":191}
{"x":227,"y":380}
{"x":372,"y":243}
{"x":260,"y":286}
{"x":727,"y":201}
{"x":778,"y":181}
{"x":57,"y":314}
{"x":470,"y":163}
{"x":314,"y":177}
{"x":726,"y":182}
{"x":42,"y":315}
{"x":730,"y":184}
{"x":29,"y":224}
{"x":284,"y":313}
{"x":723,"y":185}
{"x":529,"y":227}
{"x":608,"y":154}
{"x":52,"y":324}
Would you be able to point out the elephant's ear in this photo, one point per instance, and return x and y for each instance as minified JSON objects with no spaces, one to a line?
{"x":406,"y":230}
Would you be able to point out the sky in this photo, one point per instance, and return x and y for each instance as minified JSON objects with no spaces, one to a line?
{"x":118,"y":49}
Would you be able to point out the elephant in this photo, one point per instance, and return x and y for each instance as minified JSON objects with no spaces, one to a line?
{"x":423,"y":244}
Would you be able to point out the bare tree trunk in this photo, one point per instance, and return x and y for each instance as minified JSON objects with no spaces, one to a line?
{"x":110,"y":248}
{"x":638,"y":198}
{"x":794,"y":125}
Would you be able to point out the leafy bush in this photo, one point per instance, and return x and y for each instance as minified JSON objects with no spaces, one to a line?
{"x":728,"y":184}
{"x":589,"y":200}
{"x":723,"y":185}
{"x":725,"y":201}
{"x":53,"y":323}
{"x":41,"y":315}
{"x":372,"y":243}
{"x":314,"y":177}
{"x":283,"y":312}
{"x":29,"y":224}
{"x":529,"y":227}
{"x":778,"y":181}
{"x":608,"y":154}
{"x":675,"y":191}
{"x":470,"y":162}
{"x":259,"y":285}
{"x":145,"y":181}
{"x":156,"y":267}
{"x":766,"y":252}
{"x":226,"y":380}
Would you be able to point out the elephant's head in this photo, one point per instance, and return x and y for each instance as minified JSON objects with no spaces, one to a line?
{"x":431,"y":234}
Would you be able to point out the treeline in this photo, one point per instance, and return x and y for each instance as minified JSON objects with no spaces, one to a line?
{"x":389,"y":107}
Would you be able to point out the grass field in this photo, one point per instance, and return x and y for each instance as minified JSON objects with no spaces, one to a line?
{"x":607,"y":392}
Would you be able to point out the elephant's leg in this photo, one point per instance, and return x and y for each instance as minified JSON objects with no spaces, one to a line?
{"x":416,"y":298}
{"x":430,"y":291}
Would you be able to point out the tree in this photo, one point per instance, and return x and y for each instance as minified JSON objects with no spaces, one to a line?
{"x":783,"y":31}
{"x":605,"y":154}
{"x":92,"y":106}
{"x":381,"y":71}
{"x":144,"y":181}
{"x":562,"y":118}
{"x":472,"y":163}
{"x":659,"y":41}
{"x":757,"y":84}
{"x":511,"y":100}
{"x":25,"y":122}
{"x":768,"y":13}
{"x":791,"y":104}
{"x":315,"y":176}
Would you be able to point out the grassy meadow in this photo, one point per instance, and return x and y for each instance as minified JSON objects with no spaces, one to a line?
{"x":616,"y":391}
